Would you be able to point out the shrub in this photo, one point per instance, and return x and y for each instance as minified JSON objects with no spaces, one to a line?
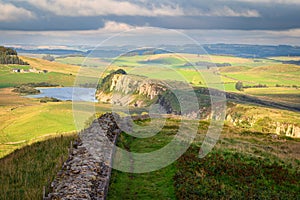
{"x":239,"y":86}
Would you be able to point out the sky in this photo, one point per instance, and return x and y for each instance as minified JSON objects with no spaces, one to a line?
{"x":111,"y":22}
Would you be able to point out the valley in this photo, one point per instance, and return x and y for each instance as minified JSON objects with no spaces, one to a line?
{"x":260,"y":134}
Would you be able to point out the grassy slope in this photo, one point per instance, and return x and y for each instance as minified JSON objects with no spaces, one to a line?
{"x":8,"y":78}
{"x":267,"y":168}
{"x":91,"y":62}
{"x":25,"y":172}
{"x":57,"y":73}
{"x":51,"y":66}
{"x":283,"y":95}
{"x":25,"y":120}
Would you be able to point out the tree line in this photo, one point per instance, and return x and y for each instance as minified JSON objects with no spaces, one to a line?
{"x":10,"y":56}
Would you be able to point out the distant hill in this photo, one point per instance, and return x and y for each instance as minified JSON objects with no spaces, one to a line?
{"x":10,"y":56}
{"x":240,"y":50}
{"x":253,"y":51}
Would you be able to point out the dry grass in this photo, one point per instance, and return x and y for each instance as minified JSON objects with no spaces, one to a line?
{"x":51,"y":66}
{"x":11,"y":99}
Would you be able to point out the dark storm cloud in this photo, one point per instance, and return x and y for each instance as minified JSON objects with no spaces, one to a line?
{"x":179,"y":14}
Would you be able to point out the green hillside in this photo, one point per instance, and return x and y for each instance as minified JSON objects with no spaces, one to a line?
{"x":264,"y":166}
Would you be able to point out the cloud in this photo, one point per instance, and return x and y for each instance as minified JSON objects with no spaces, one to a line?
{"x":109,"y":27}
{"x":125,"y":8}
{"x":10,"y":13}
{"x":287,"y":33}
{"x":270,"y":1}
{"x":226,"y":11}
{"x":148,"y":36}
{"x":103,"y":7}
{"x":112,"y":26}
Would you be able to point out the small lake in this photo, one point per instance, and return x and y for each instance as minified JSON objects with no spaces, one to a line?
{"x":66,"y":93}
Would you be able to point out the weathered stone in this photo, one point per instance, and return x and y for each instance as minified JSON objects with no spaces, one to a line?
{"x":83,"y":175}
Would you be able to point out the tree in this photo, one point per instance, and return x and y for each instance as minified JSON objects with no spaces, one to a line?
{"x":239,"y":86}
{"x":49,"y":58}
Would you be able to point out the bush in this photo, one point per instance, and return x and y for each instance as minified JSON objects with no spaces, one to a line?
{"x":49,"y":99}
{"x":26,"y":90}
{"x":48,"y":57}
{"x":239,"y":86}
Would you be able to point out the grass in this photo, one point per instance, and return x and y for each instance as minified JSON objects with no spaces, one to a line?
{"x":50,"y":66}
{"x":278,"y":94}
{"x":9,"y":78}
{"x":172,"y":67}
{"x":284,"y":74}
{"x":25,"y":172}
{"x":24,"y":120}
{"x":153,"y":185}
{"x":241,"y":164}
{"x":286,"y":58}
{"x":82,"y":61}
{"x":231,"y":175}
{"x":252,"y":118}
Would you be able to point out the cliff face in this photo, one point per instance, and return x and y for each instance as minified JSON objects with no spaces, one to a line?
{"x":287,"y":129}
{"x":130,"y":84}
{"x":262,"y":121}
{"x":131,"y":90}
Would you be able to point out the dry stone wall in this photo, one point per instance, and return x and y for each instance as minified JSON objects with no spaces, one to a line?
{"x":86,"y":173}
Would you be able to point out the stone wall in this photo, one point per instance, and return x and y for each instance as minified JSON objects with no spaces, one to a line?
{"x":86,"y":173}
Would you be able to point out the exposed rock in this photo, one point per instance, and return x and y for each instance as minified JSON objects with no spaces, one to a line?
{"x":85,"y":175}
{"x":125,"y":89}
{"x":268,"y":125}
{"x":287,"y":129}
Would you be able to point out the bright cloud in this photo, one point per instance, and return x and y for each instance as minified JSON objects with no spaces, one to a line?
{"x":10,"y":13}
{"x":269,"y":1}
{"x":226,"y":11}
{"x":112,"y":26}
{"x":103,"y":7}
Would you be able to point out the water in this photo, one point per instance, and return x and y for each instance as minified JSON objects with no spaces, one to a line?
{"x":66,"y":93}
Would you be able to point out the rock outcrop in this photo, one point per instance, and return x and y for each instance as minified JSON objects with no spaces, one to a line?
{"x":131,"y":90}
{"x":261,"y":123}
{"x":287,"y":129}
{"x":86,"y":173}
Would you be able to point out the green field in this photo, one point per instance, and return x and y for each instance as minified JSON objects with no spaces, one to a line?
{"x":8,"y":78}
{"x":173,"y":66}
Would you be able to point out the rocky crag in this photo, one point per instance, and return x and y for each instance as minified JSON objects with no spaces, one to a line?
{"x":122,"y":89}
{"x":129,"y":90}
{"x":254,"y":119}
{"x":86,"y":173}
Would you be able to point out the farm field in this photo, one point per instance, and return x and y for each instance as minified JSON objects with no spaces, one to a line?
{"x":278,"y":94}
{"x":252,"y":71}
